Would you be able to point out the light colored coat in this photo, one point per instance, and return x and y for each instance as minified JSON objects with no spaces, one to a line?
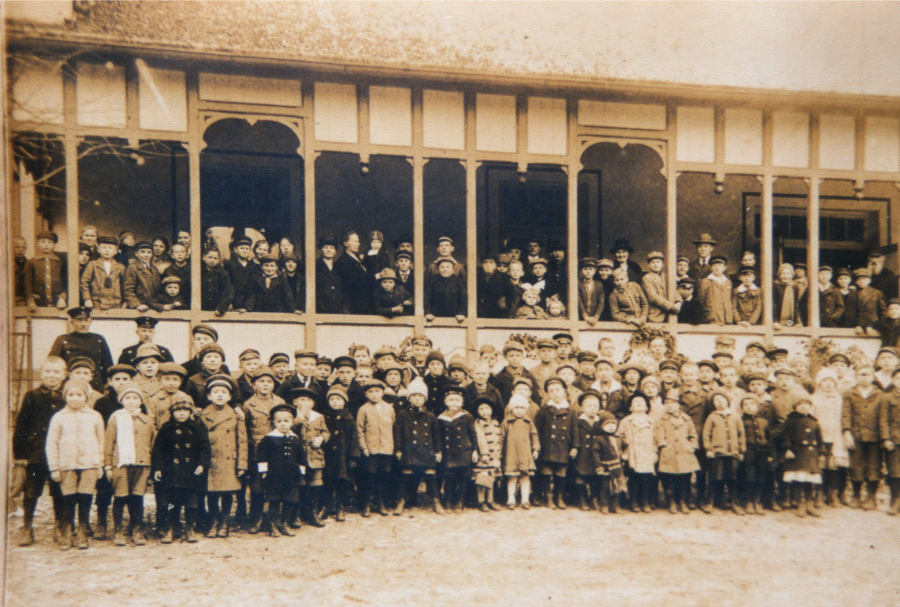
{"x":657,"y":297}
{"x":75,"y":440}
{"x":228,"y":442}
{"x":638,"y":443}
{"x":630,"y":303}
{"x":519,"y":438}
{"x":715,"y":296}
{"x":308,"y":430}
{"x":375,"y":426}
{"x":144,"y":435}
{"x":724,"y":434}
{"x":677,"y":440}
{"x":93,"y":284}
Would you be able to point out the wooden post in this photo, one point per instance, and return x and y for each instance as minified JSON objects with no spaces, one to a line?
{"x":573,"y":169}
{"x":813,"y":255}
{"x":766,"y":258}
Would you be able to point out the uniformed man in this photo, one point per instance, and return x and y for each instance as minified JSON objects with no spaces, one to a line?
{"x":146,"y":329}
{"x":81,"y":342}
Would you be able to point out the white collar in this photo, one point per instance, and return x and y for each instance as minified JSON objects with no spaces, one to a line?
{"x":562,"y":405}
{"x":720,"y":279}
{"x":743,"y":289}
{"x":277,"y":434}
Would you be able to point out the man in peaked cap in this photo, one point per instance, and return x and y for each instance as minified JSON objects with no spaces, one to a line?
{"x":249,"y":361}
{"x":145,"y":329}
{"x":81,"y":342}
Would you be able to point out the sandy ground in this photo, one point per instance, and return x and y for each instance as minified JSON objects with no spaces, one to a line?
{"x":521,"y":558}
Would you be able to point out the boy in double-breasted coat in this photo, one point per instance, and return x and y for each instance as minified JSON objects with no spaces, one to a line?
{"x":860,"y":423}
{"x":310,"y":426}
{"x":257,"y":416}
{"x":865,"y":306}
{"x":457,"y":446}
{"x":280,"y":458}
{"x":556,"y":426}
{"x":228,"y":443}
{"x":179,"y":463}
{"x":676,"y":437}
{"x":141,"y":282}
{"x":801,"y":441}
{"x":342,"y":449}
{"x":415,"y":445}
{"x":269,"y":291}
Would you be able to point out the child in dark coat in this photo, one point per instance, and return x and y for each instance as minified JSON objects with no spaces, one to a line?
{"x":457,"y":446}
{"x":341,"y":451}
{"x":280,"y":459}
{"x":415,"y":445}
{"x":44,"y":280}
{"x":555,"y":423}
{"x":611,"y":476}
{"x":445,"y":293}
{"x":170,"y":296}
{"x":865,"y":306}
{"x":179,"y":462}
{"x":216,"y":290}
{"x":804,"y":453}
{"x":758,"y":460}
{"x":28,"y":441}
{"x":389,"y":298}
{"x":587,"y":430}
{"x":270,"y":292}
{"x":295,"y":278}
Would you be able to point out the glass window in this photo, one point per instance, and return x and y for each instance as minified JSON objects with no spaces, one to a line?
{"x":251,"y":188}
{"x":523,"y":223}
{"x":134,"y":195}
{"x":362,"y":209}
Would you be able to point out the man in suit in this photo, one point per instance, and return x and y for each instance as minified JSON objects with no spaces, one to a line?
{"x":700,"y":267}
{"x":329,"y":291}
{"x":883,"y":279}
{"x":357,"y":283}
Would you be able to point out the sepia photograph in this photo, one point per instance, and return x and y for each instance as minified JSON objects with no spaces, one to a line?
{"x":450,"y":303}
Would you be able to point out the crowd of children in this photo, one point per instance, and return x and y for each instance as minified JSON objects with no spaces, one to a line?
{"x":520,"y":282}
{"x":366,"y":432}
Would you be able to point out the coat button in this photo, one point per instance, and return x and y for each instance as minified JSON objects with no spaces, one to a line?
{"x":176,"y":460}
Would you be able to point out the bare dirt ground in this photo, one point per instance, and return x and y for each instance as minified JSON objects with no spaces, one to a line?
{"x":519,"y":558}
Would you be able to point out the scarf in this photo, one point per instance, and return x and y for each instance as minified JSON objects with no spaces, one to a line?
{"x":787,"y":304}
{"x":125,"y":438}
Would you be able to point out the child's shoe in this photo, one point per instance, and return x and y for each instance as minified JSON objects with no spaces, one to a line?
{"x":224,"y":529}
{"x":493,"y":506}
{"x":706,"y":507}
{"x":101,"y":532}
{"x":604,"y":509}
{"x":684,"y":508}
{"x":27,"y":537}
{"x":213,"y":530}
{"x":560,"y":501}
{"x":273,"y":531}
{"x":511,"y":506}
{"x":811,"y":508}
{"x":736,"y":507}
{"x":398,"y":511}
{"x":484,"y":507}
{"x":438,"y":508}
{"x":66,"y":538}
{"x":526,"y":506}
{"x":118,"y":537}
{"x":646,"y":509}
{"x":382,"y":509}
{"x":139,"y":538}
{"x":801,"y":507}
{"x":673,"y":507}
{"x":188,"y":535}
{"x":81,"y":538}
{"x":168,"y":537}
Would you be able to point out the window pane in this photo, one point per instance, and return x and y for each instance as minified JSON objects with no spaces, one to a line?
{"x":251,"y":186}
{"x":715,"y":223}
{"x":523,"y":218}
{"x":367,"y":201}
{"x":135,"y":195}
{"x":41,"y":189}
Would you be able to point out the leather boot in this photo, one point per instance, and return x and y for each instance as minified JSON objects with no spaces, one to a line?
{"x":550,"y":493}
{"x":812,"y":509}
{"x":438,"y":509}
{"x":819,"y":502}
{"x":382,"y":509}
{"x":213,"y":530}
{"x":139,"y":536}
{"x":366,"y":510}
{"x":118,"y":536}
{"x":27,"y":537}
{"x":81,"y":539}
{"x":223,"y":526}
{"x":673,"y":507}
{"x":398,"y":511}
{"x":282,"y":527}
{"x":801,"y":502}
{"x":315,"y":497}
{"x":188,"y":534}
{"x":101,"y":531}
{"x":871,"y":492}
{"x":66,"y":537}
{"x":169,"y":536}
{"x":833,"y":499}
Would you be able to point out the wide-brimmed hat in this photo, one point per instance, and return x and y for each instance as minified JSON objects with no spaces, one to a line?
{"x":705,"y":238}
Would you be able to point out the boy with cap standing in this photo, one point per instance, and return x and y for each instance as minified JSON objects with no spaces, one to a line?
{"x":405,"y":276}
{"x":216,"y":290}
{"x":202,"y":335}
{"x":170,"y":296}
{"x":747,"y":299}
{"x":445,"y":292}
{"x":147,"y":363}
{"x":591,"y":298}
{"x":375,"y":427}
{"x":179,"y":462}
{"x":715,"y":293}
{"x":249,"y":361}
{"x":391,"y":299}
{"x":101,"y":281}
{"x":310,"y":426}
{"x":159,"y":405}
{"x":457,"y":446}
{"x":865,"y":306}
{"x":141,"y":281}
{"x":280,"y":459}
{"x":258,"y":409}
{"x":692,"y":312}
{"x":305,"y":366}
{"x":627,"y":302}
{"x":546,"y":350}
{"x":654,"y":283}
{"x":44,"y":280}
{"x":556,"y":425}
{"x":146,"y":329}
{"x":241,"y":270}
{"x":860,"y":417}
{"x":270,"y":291}
{"x":889,"y":326}
{"x":831,"y":302}
{"x":81,"y":342}
{"x":514,"y":352}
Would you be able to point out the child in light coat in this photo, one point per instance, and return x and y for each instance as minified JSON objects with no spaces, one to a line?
{"x":75,"y":459}
{"x":311,"y":428}
{"x":725,"y":443}
{"x":639,"y":451}
{"x":519,"y":439}
{"x":129,"y":438}
{"x":676,"y":437}
{"x":827,"y":403}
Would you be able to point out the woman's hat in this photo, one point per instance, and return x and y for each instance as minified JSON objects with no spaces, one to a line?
{"x":620,"y":245}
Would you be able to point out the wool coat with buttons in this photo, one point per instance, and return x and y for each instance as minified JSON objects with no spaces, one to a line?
{"x":556,"y":431}
{"x":140,"y":284}
{"x":309,"y":429}
{"x":45,"y":279}
{"x":800,"y":434}
{"x":723,"y":434}
{"x":860,"y":415}
{"x":342,"y":449}
{"x":416,"y":437}
{"x":489,"y":445}
{"x":144,"y":434}
{"x":375,"y":427}
{"x":30,"y":436}
{"x":228,"y":442}
{"x":280,"y":456}
{"x":889,"y":417}
{"x":177,"y":451}
{"x":639,"y":447}
{"x":75,"y":440}
{"x":256,"y":416}
{"x":519,"y":440}
{"x":586,"y":433}
{"x":457,"y":439}
{"x":160,"y":404}
{"x":676,"y":437}
{"x":697,"y":407}
{"x":864,"y":308}
{"x":757,"y":433}
{"x":629,"y":303}
{"x":608,"y":449}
